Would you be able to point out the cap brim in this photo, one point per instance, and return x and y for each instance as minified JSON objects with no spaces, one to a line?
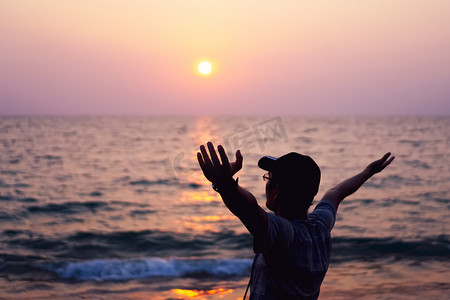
{"x":267,"y":163}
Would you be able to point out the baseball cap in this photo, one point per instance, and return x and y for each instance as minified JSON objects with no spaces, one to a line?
{"x":294,"y":170}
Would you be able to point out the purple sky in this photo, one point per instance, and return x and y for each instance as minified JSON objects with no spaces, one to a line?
{"x":284,"y":57}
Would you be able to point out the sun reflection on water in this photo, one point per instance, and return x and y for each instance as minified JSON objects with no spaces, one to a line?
{"x":199,"y":227}
{"x":213,"y":218}
{"x":201,"y":293}
{"x":204,"y":131}
{"x":197,"y":223}
{"x":203,"y":196}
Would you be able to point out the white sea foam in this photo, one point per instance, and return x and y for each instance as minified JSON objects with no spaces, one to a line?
{"x":116,"y":269}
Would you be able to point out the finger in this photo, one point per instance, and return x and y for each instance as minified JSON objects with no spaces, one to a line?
{"x":385,"y":157}
{"x":385,"y":164}
{"x":206,"y":157}
{"x":213,"y":154}
{"x":223,"y":157}
{"x":201,"y":162}
{"x":239,"y":159}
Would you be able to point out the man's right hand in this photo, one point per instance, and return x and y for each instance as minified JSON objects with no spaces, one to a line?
{"x":213,"y":169}
{"x":238,"y":200}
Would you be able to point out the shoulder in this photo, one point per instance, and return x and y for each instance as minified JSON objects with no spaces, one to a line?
{"x":334,"y":197}
{"x":326,"y":205}
{"x":324,"y":213}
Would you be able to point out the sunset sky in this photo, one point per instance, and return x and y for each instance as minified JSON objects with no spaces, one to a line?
{"x":298,"y":57}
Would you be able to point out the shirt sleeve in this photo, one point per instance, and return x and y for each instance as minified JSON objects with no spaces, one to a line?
{"x":324,"y":213}
{"x":279,"y":236}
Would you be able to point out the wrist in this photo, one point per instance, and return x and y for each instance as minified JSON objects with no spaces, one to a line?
{"x":225,"y":185}
{"x":368,"y":173}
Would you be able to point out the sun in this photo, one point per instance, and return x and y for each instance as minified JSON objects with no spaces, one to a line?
{"x":205,"y":67}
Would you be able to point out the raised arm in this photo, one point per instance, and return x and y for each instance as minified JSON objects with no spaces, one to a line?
{"x":237,"y":199}
{"x":347,"y":187}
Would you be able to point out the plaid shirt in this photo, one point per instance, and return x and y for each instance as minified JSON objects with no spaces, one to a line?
{"x":293,"y":258}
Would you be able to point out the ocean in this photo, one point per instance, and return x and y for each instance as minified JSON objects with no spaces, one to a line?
{"x":117,"y":207}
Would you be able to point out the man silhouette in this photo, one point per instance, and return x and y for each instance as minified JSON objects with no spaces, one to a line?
{"x":292,"y":247}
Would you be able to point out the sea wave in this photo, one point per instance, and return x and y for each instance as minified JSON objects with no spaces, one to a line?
{"x":67,"y":207}
{"x":116,"y":269}
{"x":130,"y":244}
{"x":426,"y":248}
{"x":126,"y":244}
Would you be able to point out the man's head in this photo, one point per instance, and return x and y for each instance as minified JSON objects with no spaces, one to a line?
{"x":294,"y":181}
